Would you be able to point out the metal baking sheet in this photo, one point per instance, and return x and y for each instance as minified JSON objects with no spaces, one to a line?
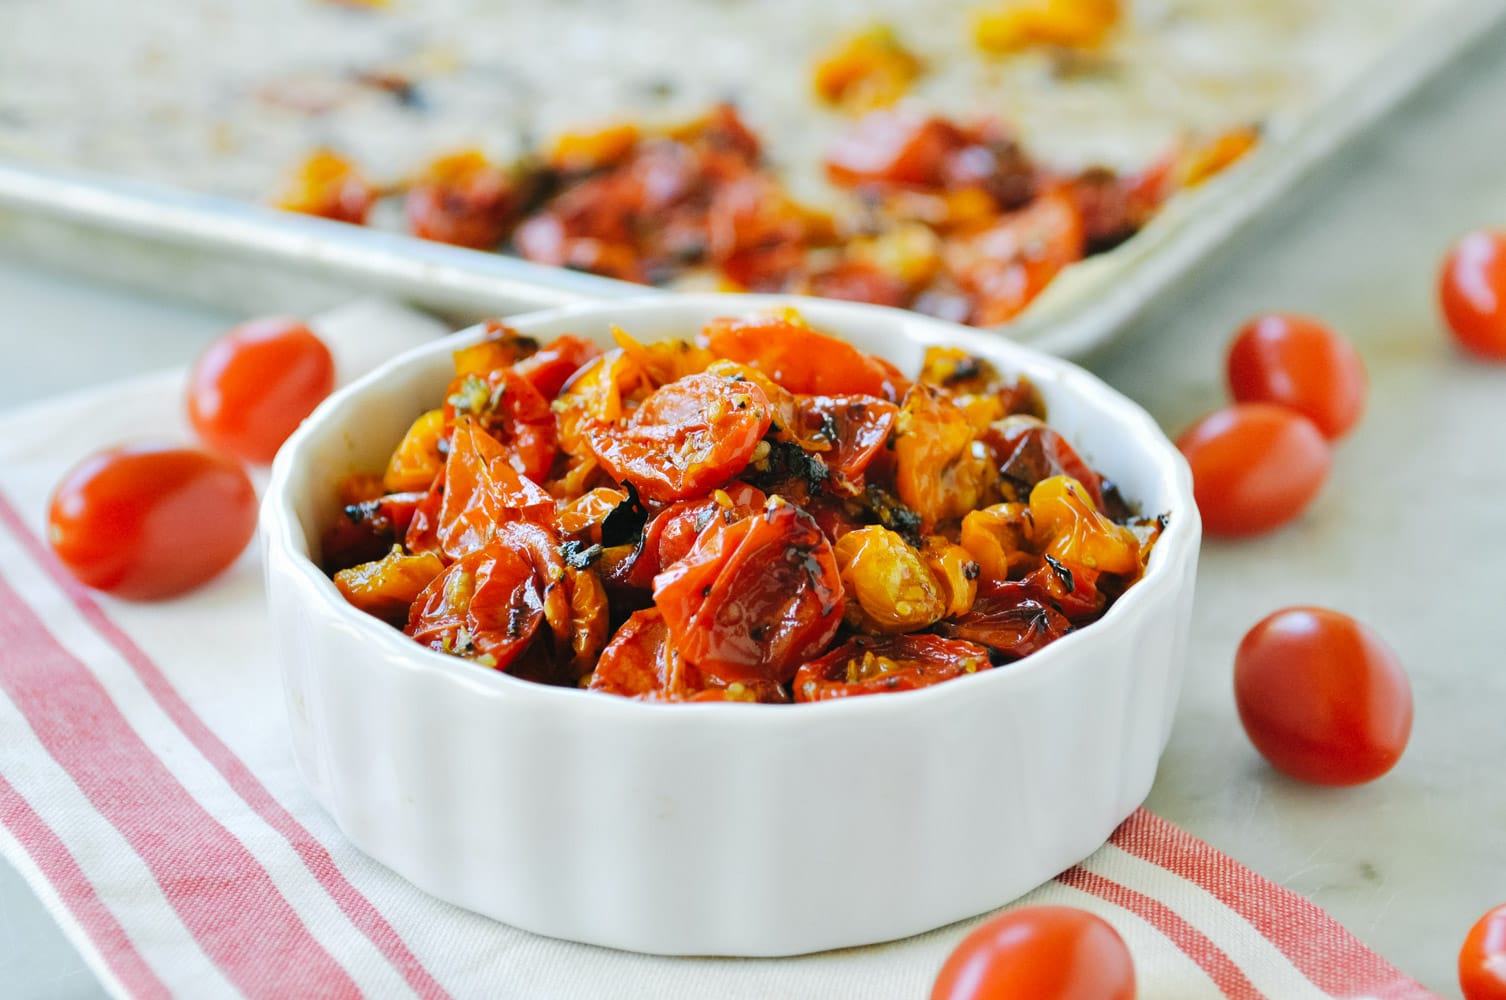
{"x":249,"y":258}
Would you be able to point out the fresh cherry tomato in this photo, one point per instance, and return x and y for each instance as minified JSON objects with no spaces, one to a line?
{"x":1482,"y":960}
{"x":1254,"y":467}
{"x":254,"y":385}
{"x":686,"y":438}
{"x":1039,"y":952}
{"x":150,"y":521}
{"x":1322,"y":697}
{"x":1472,"y":289}
{"x":1299,"y":363}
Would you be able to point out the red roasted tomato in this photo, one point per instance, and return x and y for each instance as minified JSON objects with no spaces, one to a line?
{"x":756,"y":598}
{"x":873,"y":665}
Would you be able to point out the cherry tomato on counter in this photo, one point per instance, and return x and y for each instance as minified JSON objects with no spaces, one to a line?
{"x":1299,"y":363}
{"x":1322,"y":697}
{"x":254,"y":385}
{"x":1482,"y":960}
{"x":150,"y":521}
{"x":1472,"y":291}
{"x":1040,"y":952}
{"x":1254,"y":467}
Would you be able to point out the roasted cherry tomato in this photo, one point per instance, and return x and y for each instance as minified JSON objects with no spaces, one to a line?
{"x":889,"y":586}
{"x":1322,"y":697}
{"x":254,"y":385}
{"x":641,"y":662}
{"x":874,"y":665}
{"x":1472,"y":289}
{"x":1301,"y":364}
{"x":756,"y":598}
{"x":508,"y":407}
{"x":803,"y":360}
{"x":387,"y":587}
{"x":686,"y":438}
{"x":853,"y":431}
{"x":150,"y":521}
{"x":481,"y":489}
{"x":1008,"y":264}
{"x":420,"y":456}
{"x":937,"y":470}
{"x":464,"y":200}
{"x":500,"y":346}
{"x":1254,"y":467}
{"x":551,"y":366}
{"x":1012,"y":618}
{"x":894,"y":147}
{"x":1028,"y":451}
{"x":329,"y":186}
{"x":1482,"y":960}
{"x":1039,"y":952}
{"x":486,"y":606}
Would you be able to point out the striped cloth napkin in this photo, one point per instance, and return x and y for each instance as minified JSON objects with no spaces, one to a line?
{"x":149,"y":796}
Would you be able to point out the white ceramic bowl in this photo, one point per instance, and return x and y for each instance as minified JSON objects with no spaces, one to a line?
{"x":725,"y":829}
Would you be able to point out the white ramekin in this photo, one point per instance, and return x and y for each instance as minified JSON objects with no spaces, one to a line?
{"x":725,"y":829}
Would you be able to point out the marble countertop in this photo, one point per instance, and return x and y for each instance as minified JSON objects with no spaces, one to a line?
{"x":1408,"y":534}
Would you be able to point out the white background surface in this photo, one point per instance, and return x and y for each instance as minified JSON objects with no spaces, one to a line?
{"x":1410,"y":534}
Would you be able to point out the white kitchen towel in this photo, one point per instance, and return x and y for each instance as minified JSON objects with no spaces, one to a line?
{"x":148,"y":793}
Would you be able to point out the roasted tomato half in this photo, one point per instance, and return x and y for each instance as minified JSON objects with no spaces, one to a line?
{"x":686,"y":438}
{"x":865,"y":665}
{"x":754,"y":599}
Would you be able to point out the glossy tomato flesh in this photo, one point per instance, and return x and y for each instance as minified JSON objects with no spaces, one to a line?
{"x":255,"y":384}
{"x":1039,"y":952}
{"x":1254,"y":467}
{"x":1301,"y":364}
{"x":1322,"y":697}
{"x":1472,"y":291}
{"x":151,"y":521}
{"x":1482,"y":960}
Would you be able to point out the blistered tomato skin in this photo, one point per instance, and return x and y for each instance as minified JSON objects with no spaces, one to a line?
{"x":686,"y":438}
{"x":1482,"y":960}
{"x":1472,"y":292}
{"x":254,"y":385}
{"x":146,"y":522}
{"x":1254,"y":466}
{"x":1301,"y":364}
{"x":1039,"y":952}
{"x":1322,"y":697}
